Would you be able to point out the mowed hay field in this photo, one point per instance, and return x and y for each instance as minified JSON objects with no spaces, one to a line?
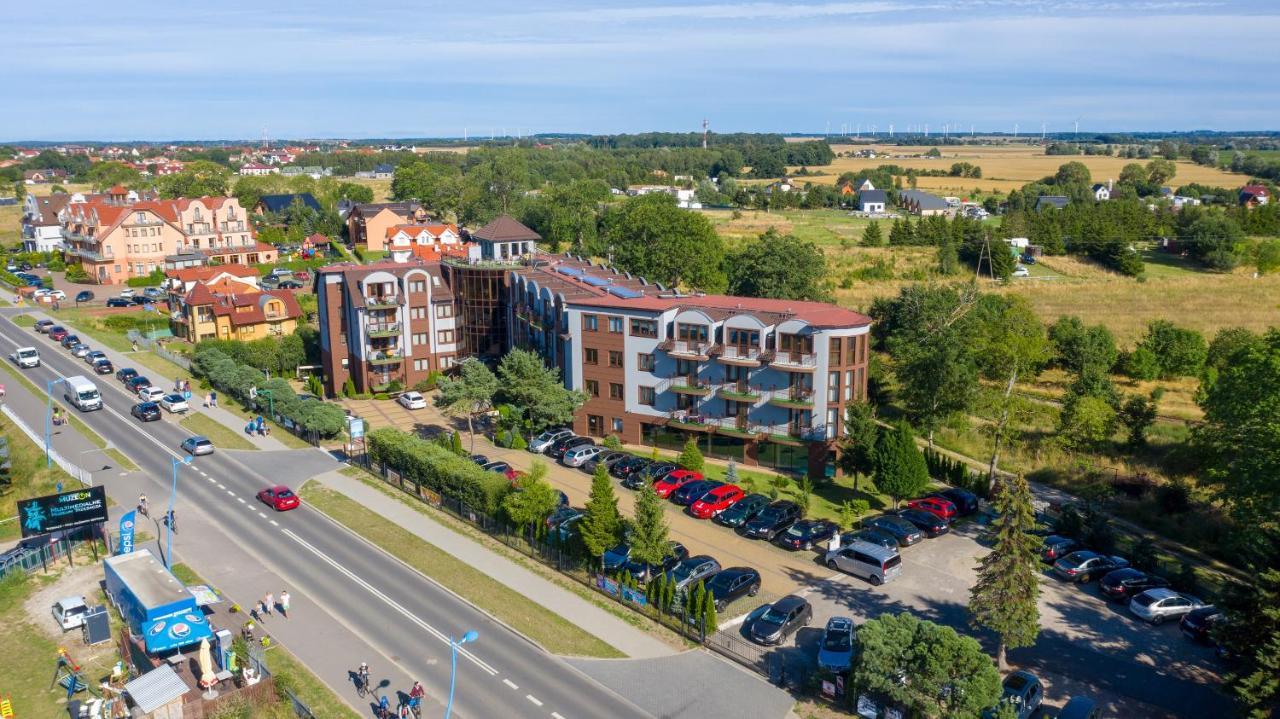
{"x":1004,"y":167}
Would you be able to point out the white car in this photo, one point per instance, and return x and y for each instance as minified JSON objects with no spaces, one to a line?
{"x":1021,"y":272}
{"x":127,"y":292}
{"x":56,"y":294}
{"x":69,"y":612}
{"x":26,"y":357}
{"x":94,"y":356}
{"x":540,"y":443}
{"x":412,"y":400}
{"x":1158,"y":605}
{"x":578,"y":456}
{"x":175,"y":403}
{"x":151,"y":394}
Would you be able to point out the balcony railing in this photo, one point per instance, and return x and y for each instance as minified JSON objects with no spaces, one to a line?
{"x":741,"y":427}
{"x":792,"y":397}
{"x":690,"y":385}
{"x":739,"y":391}
{"x":741,"y":354}
{"x":384,"y":330}
{"x":382,"y":302}
{"x":199,"y":228}
{"x":145,"y":222}
{"x":686,"y":349}
{"x":802,"y":361}
{"x":384,"y":358}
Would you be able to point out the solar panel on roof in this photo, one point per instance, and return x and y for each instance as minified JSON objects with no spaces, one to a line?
{"x":625,"y":293}
{"x":596,"y":281}
{"x":570,"y":271}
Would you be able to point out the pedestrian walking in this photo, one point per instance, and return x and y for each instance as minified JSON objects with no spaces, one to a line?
{"x":284,"y":603}
{"x":834,"y":544}
{"x":135,"y":345}
{"x":269,"y":601}
{"x":206,"y":403}
{"x":213,"y":398}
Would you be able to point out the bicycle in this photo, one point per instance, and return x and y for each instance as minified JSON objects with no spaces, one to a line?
{"x":362,"y":681}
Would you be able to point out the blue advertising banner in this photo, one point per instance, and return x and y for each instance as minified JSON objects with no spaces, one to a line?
{"x":126,"y":532}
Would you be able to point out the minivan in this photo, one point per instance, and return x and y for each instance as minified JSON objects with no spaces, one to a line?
{"x":872,"y":562}
{"x":82,"y":394}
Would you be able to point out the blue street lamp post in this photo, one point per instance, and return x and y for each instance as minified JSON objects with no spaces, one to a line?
{"x":48,"y":420}
{"x":470,"y":636}
{"x":168,"y":517}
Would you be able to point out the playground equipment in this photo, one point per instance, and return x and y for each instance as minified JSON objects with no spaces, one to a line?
{"x":67,"y":674}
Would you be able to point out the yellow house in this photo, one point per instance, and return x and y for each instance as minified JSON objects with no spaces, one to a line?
{"x":228,"y":311}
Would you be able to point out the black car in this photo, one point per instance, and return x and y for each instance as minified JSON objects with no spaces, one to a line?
{"x":608,"y":459}
{"x":103,"y":366}
{"x":561,"y":515}
{"x":136,"y":383}
{"x":905,"y":532}
{"x":479,"y":459}
{"x":807,"y":533}
{"x":1125,"y":584}
{"x":146,"y":411}
{"x":140,"y":299}
{"x":772,"y":520}
{"x":931,"y":524}
{"x":689,"y":493}
{"x":872,"y":535}
{"x":627,"y":466}
{"x":732,"y":584}
{"x":1198,"y":623}
{"x":84,"y":296}
{"x":559,"y":448}
{"x":781,"y":620}
{"x":69,"y":341}
{"x":966,"y":502}
{"x":124,"y":374}
{"x":616,"y":558}
{"x":1055,"y":547}
{"x":642,"y":572}
{"x":658,"y":470}
{"x":117,"y":302}
{"x":742,"y":511}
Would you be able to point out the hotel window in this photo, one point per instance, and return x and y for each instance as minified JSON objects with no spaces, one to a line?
{"x":593,"y":388}
{"x":833,"y":356}
{"x":686,"y":367}
{"x":418,"y":286}
{"x":647,"y":396}
{"x":848,"y":385}
{"x":833,"y":417}
{"x":615,"y":390}
{"x":644,"y":362}
{"x":615,"y":325}
{"x":616,"y":424}
{"x":444,"y":337}
{"x":644,"y":328}
{"x":590,"y":356}
{"x":615,"y":358}
{"x":417,"y":313}
{"x":691,"y":333}
{"x":420,"y":339}
{"x":422,"y":365}
{"x":833,"y":386}
{"x":448,"y":361}
{"x":444,"y":311}
{"x":590,"y":323}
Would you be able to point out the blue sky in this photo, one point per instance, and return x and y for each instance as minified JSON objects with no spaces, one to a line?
{"x":327,"y":68}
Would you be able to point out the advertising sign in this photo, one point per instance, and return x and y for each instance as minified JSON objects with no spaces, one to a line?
{"x":51,"y":513}
{"x":126,"y":532}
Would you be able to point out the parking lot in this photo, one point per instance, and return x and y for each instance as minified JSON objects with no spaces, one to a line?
{"x":1087,"y":645}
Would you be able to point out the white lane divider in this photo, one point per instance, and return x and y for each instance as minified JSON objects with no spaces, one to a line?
{"x":510,"y":683}
{"x":532,"y":698}
{"x":273,"y":523}
{"x":211,"y":479}
{"x":556,"y":715}
{"x":221,"y":486}
{"x":390,"y":602}
{"x":260,"y":514}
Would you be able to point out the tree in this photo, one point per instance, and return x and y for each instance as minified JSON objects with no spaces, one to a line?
{"x":108,"y":174}
{"x":1212,"y":239}
{"x":858,"y":445}
{"x":1086,"y":421}
{"x":532,"y":499}
{"x":1251,"y":635}
{"x":900,"y":468}
{"x":710,"y":622}
{"x":946,"y":675}
{"x":1180,"y":351}
{"x":566,"y":215}
{"x":1078,"y":348}
{"x":1073,"y":173}
{"x":872,"y":236}
{"x":690,"y":457}
{"x":776,"y":266}
{"x":948,"y":258}
{"x":601,"y":527}
{"x":1160,"y":171}
{"x":1137,"y":414}
{"x":535,"y":391}
{"x":649,"y":543}
{"x":1004,"y":597}
{"x":197,"y":179}
{"x":468,"y":395}
{"x":651,"y":236}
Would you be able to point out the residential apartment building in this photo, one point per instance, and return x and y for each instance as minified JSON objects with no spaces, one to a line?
{"x":226,"y":309}
{"x":41,"y":230}
{"x":367,"y":224}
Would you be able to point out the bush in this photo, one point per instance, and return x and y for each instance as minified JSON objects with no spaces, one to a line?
{"x":690,"y":458}
{"x":349,"y":388}
{"x":1174,"y":497}
{"x":612,"y":442}
{"x":1069,"y":523}
{"x":76,"y":273}
{"x":1179,"y":351}
{"x":434,"y":467}
{"x":1144,"y":556}
{"x":228,"y":376}
{"x":151,"y":280}
{"x":518,"y":441}
{"x":1141,"y":364}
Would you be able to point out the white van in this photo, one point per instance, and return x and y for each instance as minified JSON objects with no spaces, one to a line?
{"x":82,"y":393}
{"x":26,"y":357}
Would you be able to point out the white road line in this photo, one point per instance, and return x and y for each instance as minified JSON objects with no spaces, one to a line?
{"x":241,"y":500}
{"x":211,"y":480}
{"x":556,"y":715}
{"x":260,"y":514}
{"x":273,"y":523}
{"x":510,"y":683}
{"x":221,"y":486}
{"x":533,"y":699}
{"x":391,"y":602}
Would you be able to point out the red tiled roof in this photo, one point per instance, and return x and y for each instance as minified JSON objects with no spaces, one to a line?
{"x":506,"y":229}
{"x":200,"y":274}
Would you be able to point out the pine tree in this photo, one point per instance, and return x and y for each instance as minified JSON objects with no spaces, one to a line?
{"x":900,"y":468}
{"x":731,"y":473}
{"x":694,"y":601}
{"x":710,"y":620}
{"x":455,"y":443}
{"x":1004,"y":597}
{"x":690,"y":457}
{"x":872,"y":236}
{"x":649,"y":528}
{"x":601,"y":528}
{"x":1251,"y":633}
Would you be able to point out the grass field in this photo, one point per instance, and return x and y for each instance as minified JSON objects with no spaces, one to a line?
{"x":30,"y":477}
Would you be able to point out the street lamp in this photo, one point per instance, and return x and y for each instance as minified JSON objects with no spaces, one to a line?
{"x":48,"y":420}
{"x":168,"y":517}
{"x":470,"y":636}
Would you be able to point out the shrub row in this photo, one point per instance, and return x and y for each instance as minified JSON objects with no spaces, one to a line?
{"x":954,"y":472}
{"x":228,"y":376}
{"x":438,"y":469}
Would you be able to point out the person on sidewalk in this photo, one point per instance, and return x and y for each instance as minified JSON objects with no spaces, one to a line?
{"x":213,"y":399}
{"x":268,"y":601}
{"x":284,"y":603}
{"x":206,"y":402}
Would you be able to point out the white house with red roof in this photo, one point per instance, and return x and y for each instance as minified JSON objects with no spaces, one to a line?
{"x":1254,"y":195}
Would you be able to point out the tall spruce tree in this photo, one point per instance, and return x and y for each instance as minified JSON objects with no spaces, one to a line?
{"x":900,"y":468}
{"x":649,"y":529}
{"x":1004,"y":597}
{"x":602,"y":526}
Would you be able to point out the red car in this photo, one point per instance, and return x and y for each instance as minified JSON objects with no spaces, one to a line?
{"x":57,"y":333}
{"x":938,"y":507}
{"x":716,"y":501}
{"x":279,"y":498}
{"x":675,"y":480}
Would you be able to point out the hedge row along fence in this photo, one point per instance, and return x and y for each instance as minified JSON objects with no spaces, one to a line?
{"x":432,"y":466}
{"x":230,"y":377}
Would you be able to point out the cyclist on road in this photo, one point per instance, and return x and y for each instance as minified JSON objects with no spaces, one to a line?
{"x":362,"y":676}
{"x":142,"y":504}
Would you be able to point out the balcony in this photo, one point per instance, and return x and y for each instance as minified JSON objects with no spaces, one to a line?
{"x":691,"y":421}
{"x":145,"y":222}
{"x":684,"y":349}
{"x":690,"y":386}
{"x":382,"y":302}
{"x":384,"y":330}
{"x":794,"y":361}
{"x":737,"y":427}
{"x":792,"y":397}
{"x":385,"y":358}
{"x":88,"y":254}
{"x":739,"y":392}
{"x":199,"y":228}
{"x":795,"y":433}
{"x":742,"y":355}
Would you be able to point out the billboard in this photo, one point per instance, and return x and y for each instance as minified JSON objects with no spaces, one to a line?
{"x":41,"y":515}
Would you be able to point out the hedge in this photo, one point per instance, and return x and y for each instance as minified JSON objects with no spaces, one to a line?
{"x":954,"y":472}
{"x":436,"y":468}
{"x":226,"y":375}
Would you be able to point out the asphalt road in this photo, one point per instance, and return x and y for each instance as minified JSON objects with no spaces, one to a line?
{"x":391,"y":607}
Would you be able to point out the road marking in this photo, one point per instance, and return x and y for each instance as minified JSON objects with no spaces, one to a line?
{"x":241,"y":501}
{"x":260,"y":514}
{"x":391,"y":602}
{"x":211,"y":480}
{"x":510,"y":683}
{"x":556,"y":715}
{"x":273,"y":523}
{"x":533,"y":699}
{"x":221,"y":486}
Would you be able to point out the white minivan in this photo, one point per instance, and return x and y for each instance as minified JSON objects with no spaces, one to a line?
{"x":82,"y":393}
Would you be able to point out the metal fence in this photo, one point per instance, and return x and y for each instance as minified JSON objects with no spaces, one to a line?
{"x":77,"y":472}
{"x":31,"y":557}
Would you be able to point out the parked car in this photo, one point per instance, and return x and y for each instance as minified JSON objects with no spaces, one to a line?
{"x":1198,"y":624}
{"x":873,"y":562}
{"x":544,"y":441}
{"x":1084,"y":566}
{"x":1080,"y":708}
{"x":197,"y":445}
{"x":289,"y":285}
{"x":689,"y":493}
{"x":42,"y":326}
{"x":94,"y":356}
{"x":1021,"y":690}
{"x":627,"y":465}
{"x":174,"y":403}
{"x":772,"y":520}
{"x":69,"y":612}
{"x":412,"y":400}
{"x":675,"y":479}
{"x":480,"y":460}
{"x":654,"y":471}
{"x":559,"y":448}
{"x":870,"y":535}
{"x":742,"y":511}
{"x":1056,"y":546}
{"x":966,"y":502}
{"x":118,"y":302}
{"x":905,"y":532}
{"x":716,"y":500}
{"x":835,"y":651}
{"x":1028,"y":259}
{"x":1021,"y":272}
{"x":57,"y":333}
{"x":502,"y":468}
{"x":807,"y":534}
{"x":608,"y":458}
{"x":279,"y":498}
{"x":1160,"y":605}
{"x":80,"y":349}
{"x":146,"y":411}
{"x":689,"y":571}
{"x":1124,"y":584}
{"x":151,"y":394}
{"x":931,"y":524}
{"x":941,"y":508}
{"x":563,"y":514}
{"x":137,"y":383}
{"x":578,"y":456}
{"x":124,"y":374}
{"x":153,"y":293}
{"x":103,"y":366}
{"x":676,"y":553}
{"x":68,"y":341}
{"x":732,"y":584}
{"x":781,"y":620}
{"x":616,"y":557}
{"x":140,"y":300}
{"x":127,"y":292}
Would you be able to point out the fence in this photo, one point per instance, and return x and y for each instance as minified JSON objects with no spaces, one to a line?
{"x":31,"y":557}
{"x":147,"y":343}
{"x":82,"y":475}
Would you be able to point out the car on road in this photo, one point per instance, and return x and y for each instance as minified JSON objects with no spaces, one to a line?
{"x":1084,"y":566}
{"x":559,"y":448}
{"x":781,"y":620}
{"x":966,"y":502}
{"x":687,"y":572}
{"x":941,"y":508}
{"x":742,"y":511}
{"x":905,"y":532}
{"x":835,"y":651}
{"x":543,"y":441}
{"x":175,"y":404}
{"x":578,"y":456}
{"x":1056,"y":547}
{"x":197,"y":445}
{"x":1022,"y":691}
{"x":772,"y":520}
{"x":94,"y":356}
{"x":1198,"y":624}
{"x":689,"y":493}
{"x":80,"y":350}
{"x":871,"y":535}
{"x":42,"y":326}
{"x":412,"y":400}
{"x":84,"y":296}
{"x":872,"y":562}
{"x":279,"y":498}
{"x":136,"y":383}
{"x":146,"y":411}
{"x":69,"y":340}
{"x":675,"y":479}
{"x":103,"y":366}
{"x":1080,"y":708}
{"x":57,"y":333}
{"x":124,"y":374}
{"x":716,"y":500}
{"x":26,"y":357}
{"x":931,"y":524}
{"x":732,"y":584}
{"x":676,"y":553}
{"x":608,"y":458}
{"x":1123,"y":584}
{"x":118,"y":302}
{"x":807,"y":534}
{"x":151,"y":394}
{"x":1160,"y":605}
{"x":624,"y":467}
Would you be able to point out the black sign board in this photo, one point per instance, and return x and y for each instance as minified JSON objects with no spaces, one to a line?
{"x":42,"y":515}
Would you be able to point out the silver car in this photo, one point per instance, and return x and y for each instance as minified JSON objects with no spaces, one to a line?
{"x":197,"y":445}
{"x":540,"y":443}
{"x":687,"y":573}
{"x":578,"y":456}
{"x":1158,"y":605}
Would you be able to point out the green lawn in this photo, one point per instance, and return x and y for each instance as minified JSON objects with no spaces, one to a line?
{"x":23,"y":320}
{"x":30,"y":477}
{"x":552,"y":631}
{"x":223,"y":437}
{"x":157,"y":364}
{"x":318,"y":697}
{"x":186,"y":574}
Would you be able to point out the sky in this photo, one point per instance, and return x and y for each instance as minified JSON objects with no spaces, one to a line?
{"x":149,"y":70}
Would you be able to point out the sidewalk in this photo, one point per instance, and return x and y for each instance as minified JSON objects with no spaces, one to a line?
{"x":628,"y":639}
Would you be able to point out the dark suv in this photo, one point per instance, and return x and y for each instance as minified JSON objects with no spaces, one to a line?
{"x":905,"y":532}
{"x":742,"y":511}
{"x":772,"y":520}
